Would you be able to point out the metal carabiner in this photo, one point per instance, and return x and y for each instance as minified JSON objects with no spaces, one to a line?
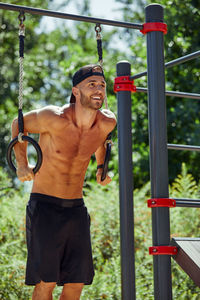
{"x":21,"y":17}
{"x":98,"y":31}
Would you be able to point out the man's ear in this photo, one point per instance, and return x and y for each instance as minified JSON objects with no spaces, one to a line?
{"x":75,"y":91}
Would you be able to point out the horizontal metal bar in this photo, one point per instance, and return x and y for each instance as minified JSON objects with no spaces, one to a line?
{"x":182,"y":59}
{"x":51,"y":13}
{"x":183,"y":95}
{"x":172,"y":63}
{"x":139,"y":75}
{"x":183,"y":147}
{"x":187,"y":202}
{"x":173,"y":93}
{"x":186,"y":239}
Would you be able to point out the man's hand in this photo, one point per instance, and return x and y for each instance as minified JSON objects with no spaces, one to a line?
{"x":105,"y":181}
{"x":25,"y":173}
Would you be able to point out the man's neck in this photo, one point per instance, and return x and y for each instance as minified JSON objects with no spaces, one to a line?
{"x":84,"y":118}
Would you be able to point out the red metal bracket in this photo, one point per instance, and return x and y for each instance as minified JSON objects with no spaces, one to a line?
{"x":161,"y":202}
{"x":124,"y":83}
{"x":154,"y":26}
{"x":163,"y":250}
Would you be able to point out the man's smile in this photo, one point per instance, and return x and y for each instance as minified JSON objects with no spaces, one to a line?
{"x":96,"y":98}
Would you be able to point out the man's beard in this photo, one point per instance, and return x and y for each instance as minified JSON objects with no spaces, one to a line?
{"x":86,"y":101}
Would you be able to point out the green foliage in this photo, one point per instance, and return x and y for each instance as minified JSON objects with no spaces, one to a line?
{"x":185,"y":222}
{"x":103,"y":206}
{"x":12,"y":242}
{"x":9,"y":68}
{"x":183,"y":119}
{"x":182,"y":19}
{"x":185,"y":185}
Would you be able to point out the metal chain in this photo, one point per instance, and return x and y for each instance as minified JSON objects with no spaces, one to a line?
{"x":21,"y":17}
{"x":98,"y":30}
{"x":100,"y":53}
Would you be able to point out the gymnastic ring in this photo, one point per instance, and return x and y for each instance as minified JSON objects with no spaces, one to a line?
{"x":35,"y":145}
{"x":106,"y":161}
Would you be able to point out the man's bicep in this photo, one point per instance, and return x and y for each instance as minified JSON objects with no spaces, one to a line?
{"x":113,"y":124}
{"x":109,"y":126}
{"x":110,"y":120}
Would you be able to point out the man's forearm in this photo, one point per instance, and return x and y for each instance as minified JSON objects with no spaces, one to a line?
{"x":100,"y":155}
{"x":20,"y":149}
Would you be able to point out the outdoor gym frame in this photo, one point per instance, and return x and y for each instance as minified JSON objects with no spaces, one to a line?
{"x":158,"y":148}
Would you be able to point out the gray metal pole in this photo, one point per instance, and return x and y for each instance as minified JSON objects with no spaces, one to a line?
{"x":158,"y":152}
{"x":56,"y":14}
{"x":126,"y":187}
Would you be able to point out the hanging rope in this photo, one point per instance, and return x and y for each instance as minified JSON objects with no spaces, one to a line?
{"x":108,"y":143}
{"x":21,"y":137}
{"x":100,"y":53}
{"x":99,"y":43}
{"x":21,"y":18}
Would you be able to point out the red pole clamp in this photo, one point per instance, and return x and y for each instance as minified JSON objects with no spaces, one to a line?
{"x":124,"y":83}
{"x":154,"y":26}
{"x":161,"y":202}
{"x":163,"y":250}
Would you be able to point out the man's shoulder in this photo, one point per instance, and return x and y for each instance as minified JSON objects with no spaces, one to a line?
{"x":53,"y":110}
{"x":53,"y":114}
{"x":50,"y":109}
{"x":55,"y":117}
{"x":67,"y":108}
{"x":107,"y":115}
{"x":107,"y":119}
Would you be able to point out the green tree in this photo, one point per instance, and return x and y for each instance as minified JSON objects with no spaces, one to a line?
{"x":9,"y":68}
{"x":182,"y":19}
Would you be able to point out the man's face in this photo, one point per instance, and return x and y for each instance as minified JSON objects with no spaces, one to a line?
{"x":92,"y":91}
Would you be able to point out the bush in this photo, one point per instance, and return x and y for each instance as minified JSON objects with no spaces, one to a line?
{"x":103,"y":206}
{"x":12,"y":242}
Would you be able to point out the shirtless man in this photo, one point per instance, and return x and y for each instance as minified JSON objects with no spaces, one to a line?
{"x":58,"y":225}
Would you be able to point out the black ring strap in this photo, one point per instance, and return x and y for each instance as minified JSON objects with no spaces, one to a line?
{"x":35,"y":145}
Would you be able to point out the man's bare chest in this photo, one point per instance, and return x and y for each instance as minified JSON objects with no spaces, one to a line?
{"x":73,"y":143}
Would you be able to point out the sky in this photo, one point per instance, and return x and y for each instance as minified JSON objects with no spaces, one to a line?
{"x":101,"y":8}
{"x":106,"y":9}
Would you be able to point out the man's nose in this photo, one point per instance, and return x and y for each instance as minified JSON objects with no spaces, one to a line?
{"x":100,"y":88}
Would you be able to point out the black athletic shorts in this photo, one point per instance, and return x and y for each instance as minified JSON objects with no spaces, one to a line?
{"x":58,"y":241}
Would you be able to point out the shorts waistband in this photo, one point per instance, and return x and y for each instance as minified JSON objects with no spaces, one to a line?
{"x":55,"y":200}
